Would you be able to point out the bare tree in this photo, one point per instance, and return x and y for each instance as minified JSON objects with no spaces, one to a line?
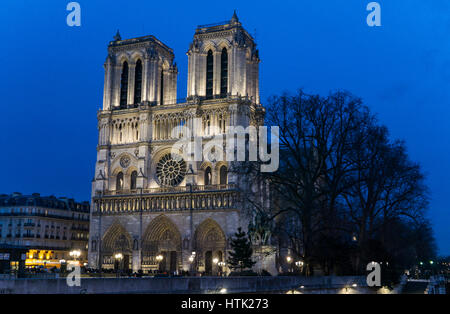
{"x":341,"y":184}
{"x":387,"y":186}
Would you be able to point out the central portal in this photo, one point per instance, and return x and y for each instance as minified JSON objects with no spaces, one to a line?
{"x":208,"y":262}
{"x":161,"y":238}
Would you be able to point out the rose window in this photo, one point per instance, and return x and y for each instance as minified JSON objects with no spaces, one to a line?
{"x":125,"y":161}
{"x":170,"y":170}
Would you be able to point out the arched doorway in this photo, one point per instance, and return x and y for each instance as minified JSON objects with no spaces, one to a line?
{"x":210,"y":243}
{"x":161,"y":246}
{"x":116,"y":249}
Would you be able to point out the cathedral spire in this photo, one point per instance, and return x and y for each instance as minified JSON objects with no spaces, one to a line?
{"x":234,"y":19}
{"x":117,"y":37}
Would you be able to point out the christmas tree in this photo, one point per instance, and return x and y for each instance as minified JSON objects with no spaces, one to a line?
{"x":241,"y":255}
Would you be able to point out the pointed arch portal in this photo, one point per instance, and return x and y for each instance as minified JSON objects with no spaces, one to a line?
{"x":116,"y":241}
{"x":210,"y":244}
{"x":161,"y":238}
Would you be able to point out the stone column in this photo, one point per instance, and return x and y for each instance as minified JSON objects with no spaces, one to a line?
{"x":216,"y":72}
{"x":145,"y":78}
{"x":136,"y":263}
{"x":256,"y":78}
{"x":158,"y":81}
{"x":172,"y":85}
{"x":152,"y":80}
{"x":190,"y":80}
{"x":131,"y":72}
{"x":116,"y":85}
{"x":201,"y":74}
{"x":107,"y":88}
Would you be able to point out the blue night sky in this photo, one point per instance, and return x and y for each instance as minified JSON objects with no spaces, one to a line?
{"x":52,"y":76}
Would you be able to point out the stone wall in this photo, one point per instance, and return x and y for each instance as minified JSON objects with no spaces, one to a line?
{"x":182,"y":285}
{"x":136,"y":226}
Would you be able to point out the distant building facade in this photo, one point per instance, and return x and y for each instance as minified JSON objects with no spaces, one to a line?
{"x":154,"y":210}
{"x":47,"y":228}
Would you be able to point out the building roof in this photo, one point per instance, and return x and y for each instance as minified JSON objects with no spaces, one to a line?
{"x":118,"y":41}
{"x":232,"y":24}
{"x":35,"y":199}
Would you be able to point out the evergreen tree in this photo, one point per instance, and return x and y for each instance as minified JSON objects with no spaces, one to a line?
{"x":241,"y":254}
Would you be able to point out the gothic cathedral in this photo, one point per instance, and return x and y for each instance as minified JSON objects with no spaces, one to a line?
{"x":152,"y":210}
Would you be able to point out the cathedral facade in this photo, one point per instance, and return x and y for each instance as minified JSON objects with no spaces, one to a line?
{"x":153,"y":210}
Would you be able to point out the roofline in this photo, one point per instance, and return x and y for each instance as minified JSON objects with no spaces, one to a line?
{"x":135,"y":40}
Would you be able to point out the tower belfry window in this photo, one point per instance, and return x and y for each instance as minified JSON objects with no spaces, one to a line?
{"x":209,"y":74}
{"x":161,"y":92}
{"x":124,"y":85}
{"x":138,"y":82}
{"x":224,"y":73}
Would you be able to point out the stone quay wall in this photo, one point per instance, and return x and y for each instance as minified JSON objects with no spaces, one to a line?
{"x":177,"y":285}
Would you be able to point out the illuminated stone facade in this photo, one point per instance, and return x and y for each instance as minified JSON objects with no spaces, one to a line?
{"x":49,"y":228}
{"x":153,"y":209}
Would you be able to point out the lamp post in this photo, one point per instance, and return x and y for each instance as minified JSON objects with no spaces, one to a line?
{"x":75,"y":254}
{"x":118,"y":257}
{"x":299,"y":264}
{"x":159,"y":259}
{"x":289,"y":261}
{"x":215,"y":261}
{"x":221,"y":265}
{"x":191,"y":261}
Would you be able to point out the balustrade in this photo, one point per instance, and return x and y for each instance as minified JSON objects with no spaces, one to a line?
{"x":167,"y":199}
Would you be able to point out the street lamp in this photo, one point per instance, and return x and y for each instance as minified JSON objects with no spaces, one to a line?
{"x":118,"y":257}
{"x":221,"y":265}
{"x":289,"y":260}
{"x":192,"y":257}
{"x":299,"y":264}
{"x":191,"y":261}
{"x":75,"y":254}
{"x":215,"y":261}
{"x":159,"y":258}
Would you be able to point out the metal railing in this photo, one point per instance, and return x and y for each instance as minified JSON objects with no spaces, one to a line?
{"x":213,"y":24}
{"x":170,"y":190}
{"x":188,"y":100}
